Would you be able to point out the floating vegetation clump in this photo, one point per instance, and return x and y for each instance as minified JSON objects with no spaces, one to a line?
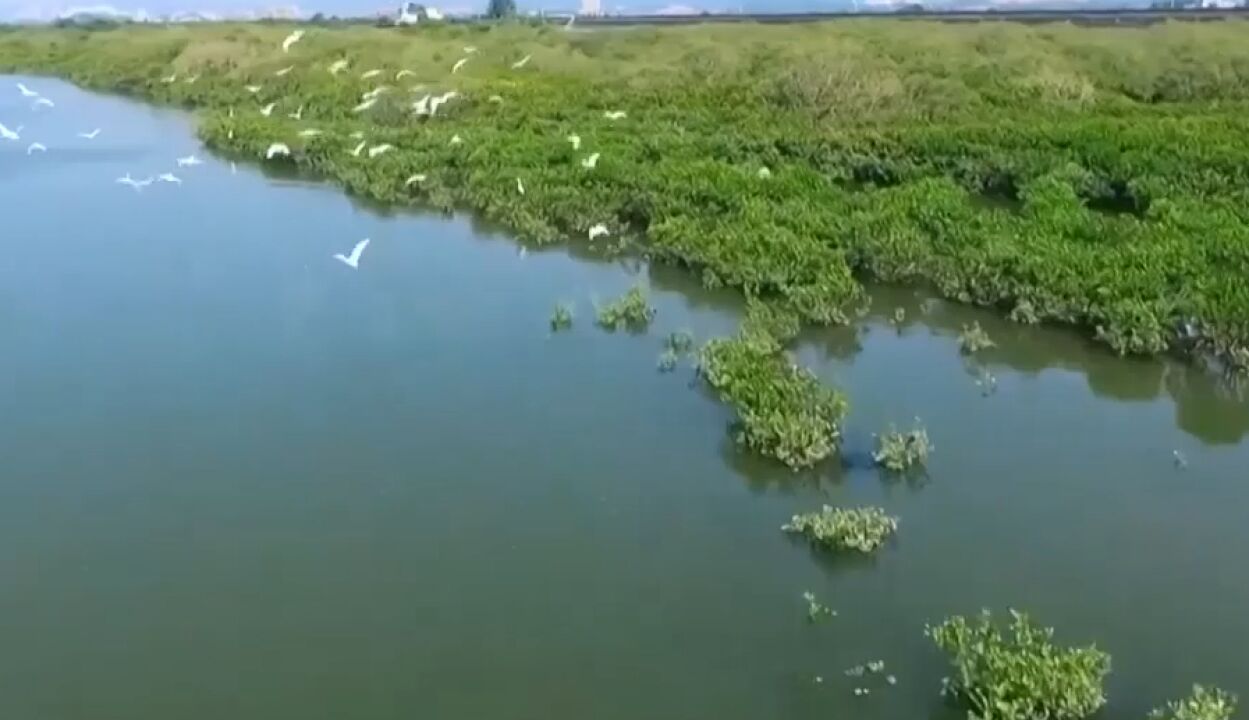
{"x":668,"y":361}
{"x":973,"y":339}
{"x":679,"y":343}
{"x":1203,"y":704}
{"x":1020,"y":674}
{"x":783,"y":410}
{"x":561,"y":317}
{"x":861,"y":529}
{"x":902,"y":451}
{"x":817,"y":610}
{"x":631,"y":311}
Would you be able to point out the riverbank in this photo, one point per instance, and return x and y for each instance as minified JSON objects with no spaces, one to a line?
{"x":1082,"y":176}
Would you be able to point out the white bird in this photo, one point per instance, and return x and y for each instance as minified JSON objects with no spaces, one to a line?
{"x":189,"y":161}
{"x":370,"y":74}
{"x":591,"y":162}
{"x":375,"y":92}
{"x":404,"y":73}
{"x":364,"y":105}
{"x":458,"y":64}
{"x":230,"y":134}
{"x":230,"y":112}
{"x":353,"y":260}
{"x":8,"y":134}
{"x":89,"y":135}
{"x":310,"y":132}
{"x":379,"y":149}
{"x":615,"y":114}
{"x":357,"y":135}
{"x":521,"y":62}
{"x":191,"y":80}
{"x":267,"y":110}
{"x":291,"y":40}
{"x":233,"y":168}
{"x":439,"y":101}
{"x":418,"y":178}
{"x":26,"y":92}
{"x":470,"y":49}
{"x":169,"y":178}
{"x":359,"y":149}
{"x":283,"y":71}
{"x":338,"y":66}
{"x":456,"y":140}
{"x":598,"y":231}
{"x":43,"y":102}
{"x":421,"y":107}
{"x":253,"y":89}
{"x":520,"y":186}
{"x":40,"y":147}
{"x":171,"y":79}
{"x":576,"y":141}
{"x":498,"y":99}
{"x":764,"y":173}
{"x":297,"y":115}
{"x":138,"y":185}
{"x":277,"y":149}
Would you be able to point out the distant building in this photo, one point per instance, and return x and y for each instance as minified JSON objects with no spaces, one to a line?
{"x":591,"y":7}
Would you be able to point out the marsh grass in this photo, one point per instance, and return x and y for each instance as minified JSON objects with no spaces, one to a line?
{"x":856,"y":529}
{"x":973,"y":339}
{"x":562,"y":317}
{"x":1019,"y":673}
{"x":1202,"y":704}
{"x":898,"y":451}
{"x":631,"y":311}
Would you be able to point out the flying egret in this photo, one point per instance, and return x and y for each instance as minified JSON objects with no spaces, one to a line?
{"x":277,"y":149}
{"x":191,"y":80}
{"x":370,"y":74}
{"x":576,"y":141}
{"x":418,"y":178}
{"x":43,"y":102}
{"x":439,"y":101}
{"x":598,"y":231}
{"x":26,"y":92}
{"x":591,"y":162}
{"x":8,"y":134}
{"x":521,"y":62}
{"x":457,"y":140}
{"x":616,"y":115}
{"x":189,"y":161}
{"x":267,"y":110}
{"x":421,"y":107}
{"x":357,"y":135}
{"x":375,"y":92}
{"x":283,"y":71}
{"x":353,"y":260}
{"x":230,"y":112}
{"x":379,"y":149}
{"x":291,"y":40}
{"x":40,"y":147}
{"x":520,"y":186}
{"x":470,"y":49}
{"x":497,"y":99}
{"x":310,"y":132}
{"x":171,"y":79}
{"x":253,"y":89}
{"x":169,"y":178}
{"x":764,"y":173}
{"x":458,"y":64}
{"x":364,"y":105}
{"x":404,"y":73}
{"x":89,"y":135}
{"x":338,"y":66}
{"x":297,"y":115}
{"x":138,"y":185}
{"x":359,"y":149}
{"x":233,"y":168}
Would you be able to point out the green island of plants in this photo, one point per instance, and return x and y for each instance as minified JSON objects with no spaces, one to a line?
{"x":901,"y":451}
{"x":631,"y":311}
{"x":1091,"y":176}
{"x":562,"y":317}
{"x":1203,"y":704}
{"x":859,"y":529}
{"x":1019,"y":674}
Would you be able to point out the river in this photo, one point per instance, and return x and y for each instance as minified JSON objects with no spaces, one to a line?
{"x":243,"y":480}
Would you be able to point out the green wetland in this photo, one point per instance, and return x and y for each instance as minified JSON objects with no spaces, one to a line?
{"x":246,"y":480}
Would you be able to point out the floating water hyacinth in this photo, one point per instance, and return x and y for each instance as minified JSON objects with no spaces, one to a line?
{"x":901,"y":451}
{"x":973,"y":339}
{"x":859,"y":529}
{"x":561,"y":317}
{"x":630,"y":311}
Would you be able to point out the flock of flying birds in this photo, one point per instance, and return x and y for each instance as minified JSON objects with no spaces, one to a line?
{"x":427,"y":106}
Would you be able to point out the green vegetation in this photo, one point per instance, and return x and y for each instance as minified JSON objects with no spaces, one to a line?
{"x":630,"y":311}
{"x":900,"y":451}
{"x":1022,"y":674}
{"x":1091,"y":176}
{"x":677,"y":345}
{"x":561,"y":317}
{"x":1203,"y":704}
{"x":973,"y":339}
{"x":861,"y":529}
{"x":817,"y":610}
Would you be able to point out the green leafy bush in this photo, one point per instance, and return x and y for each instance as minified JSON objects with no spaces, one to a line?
{"x":630,"y":311}
{"x":901,"y":451}
{"x":1020,"y":674}
{"x":861,"y":529}
{"x":1203,"y":704}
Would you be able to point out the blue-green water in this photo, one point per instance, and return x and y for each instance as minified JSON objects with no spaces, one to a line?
{"x":243,"y":480}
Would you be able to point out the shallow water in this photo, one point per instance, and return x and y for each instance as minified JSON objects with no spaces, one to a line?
{"x":243,"y":480}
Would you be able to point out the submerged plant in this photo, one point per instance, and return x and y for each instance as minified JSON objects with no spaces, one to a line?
{"x":973,"y":339}
{"x":680,"y":342}
{"x":667,"y":361}
{"x":1203,"y":704}
{"x":630,"y":311}
{"x":817,"y":610}
{"x":561,"y":317}
{"x":901,"y":451}
{"x":861,"y":529}
{"x":1019,"y":674}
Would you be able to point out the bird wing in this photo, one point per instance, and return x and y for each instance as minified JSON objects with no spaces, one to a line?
{"x":358,"y":250}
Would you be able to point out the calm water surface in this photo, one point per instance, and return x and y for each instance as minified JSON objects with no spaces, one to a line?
{"x":241,"y":480}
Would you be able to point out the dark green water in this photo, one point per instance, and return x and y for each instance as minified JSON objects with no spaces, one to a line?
{"x":241,"y":480}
